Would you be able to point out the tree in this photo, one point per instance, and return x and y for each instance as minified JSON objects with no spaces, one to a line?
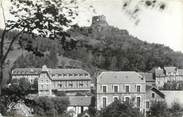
{"x":118,"y":109}
{"x":32,"y":19}
{"x":176,"y":110}
{"x":47,"y":106}
{"x":20,"y":87}
{"x":113,"y":64}
{"x":60,"y":104}
{"x":159,"y":109}
{"x":92,"y":107}
{"x":35,"y":85}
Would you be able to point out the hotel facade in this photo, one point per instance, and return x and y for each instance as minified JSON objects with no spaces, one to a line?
{"x":126,"y":86}
{"x":70,"y":81}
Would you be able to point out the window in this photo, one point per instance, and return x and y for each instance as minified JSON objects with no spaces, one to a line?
{"x":70,"y":74}
{"x":64,"y":74}
{"x":115,"y":98}
{"x":127,"y":99}
{"x":147,"y":104}
{"x":104,"y":89}
{"x":81,"y":84}
{"x":70,"y":84}
{"x":60,"y":85}
{"x":116,"y":89}
{"x":138,"y":101}
{"x":104,"y":102}
{"x":127,"y":88}
{"x":138,"y":88}
{"x":153,"y":95}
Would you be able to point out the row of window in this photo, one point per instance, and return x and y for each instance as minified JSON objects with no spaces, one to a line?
{"x":116,"y":88}
{"x":126,"y":99}
{"x":85,"y":74}
{"x":71,"y":85}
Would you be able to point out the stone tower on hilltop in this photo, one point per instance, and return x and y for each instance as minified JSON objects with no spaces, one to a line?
{"x":99,"y":20}
{"x":99,"y":23}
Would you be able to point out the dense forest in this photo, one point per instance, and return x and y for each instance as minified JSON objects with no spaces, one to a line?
{"x":101,"y":46}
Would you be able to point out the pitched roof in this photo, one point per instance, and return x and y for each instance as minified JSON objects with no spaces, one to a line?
{"x":26,"y":71}
{"x":120,"y":77}
{"x":68,"y":71}
{"x":154,"y":89}
{"x":72,"y":73}
{"x":158,"y":92}
{"x":170,"y":69}
{"x":159,"y":72}
{"x":81,"y":74}
{"x":180,"y":71}
{"x":148,"y":76}
{"x":80,"y":100}
{"x":163,"y":71}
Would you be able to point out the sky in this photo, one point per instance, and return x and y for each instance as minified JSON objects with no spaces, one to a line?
{"x":155,"y":26}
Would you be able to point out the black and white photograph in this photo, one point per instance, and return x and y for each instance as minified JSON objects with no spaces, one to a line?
{"x":91,"y":58}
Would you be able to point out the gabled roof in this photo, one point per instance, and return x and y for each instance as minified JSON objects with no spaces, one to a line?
{"x":158,"y":92}
{"x":23,"y":71}
{"x":67,"y":71}
{"x":154,"y":89}
{"x":159,"y":72}
{"x":80,"y":100}
{"x":74,"y":74}
{"x":164,"y":71}
{"x":148,"y":76}
{"x":120,"y":77}
{"x":170,"y":69}
{"x":62,"y":74}
{"x":180,"y":71}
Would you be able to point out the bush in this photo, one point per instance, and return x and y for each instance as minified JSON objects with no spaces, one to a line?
{"x":118,"y":109}
{"x":46,"y":106}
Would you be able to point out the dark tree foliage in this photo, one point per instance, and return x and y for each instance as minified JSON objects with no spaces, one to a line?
{"x":31,"y":60}
{"x":159,"y":109}
{"x":47,"y":106}
{"x":92,"y":107}
{"x":173,"y":85}
{"x":34,"y":86}
{"x":118,"y":109}
{"x":20,"y":88}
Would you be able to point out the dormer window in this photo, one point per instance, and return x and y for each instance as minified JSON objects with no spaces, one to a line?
{"x":64,"y":74}
{"x":86,"y":74}
{"x":60,"y":85}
